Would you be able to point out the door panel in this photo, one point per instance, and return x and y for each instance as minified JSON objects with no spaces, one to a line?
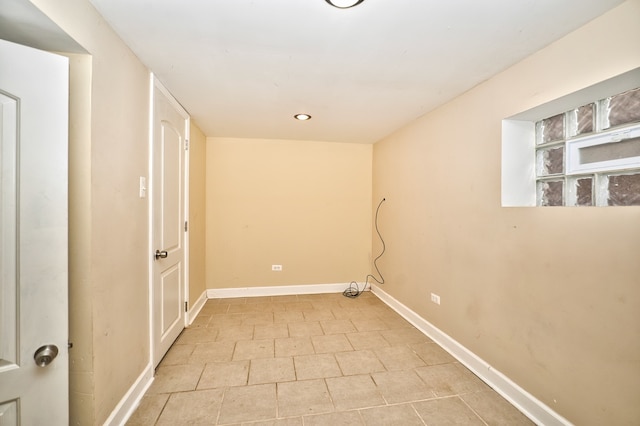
{"x":170,"y":124}
{"x":33,"y":235}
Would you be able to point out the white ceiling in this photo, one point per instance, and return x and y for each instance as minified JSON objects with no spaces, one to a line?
{"x":243,"y":68}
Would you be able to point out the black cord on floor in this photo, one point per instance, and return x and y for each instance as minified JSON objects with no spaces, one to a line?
{"x":353,"y":290}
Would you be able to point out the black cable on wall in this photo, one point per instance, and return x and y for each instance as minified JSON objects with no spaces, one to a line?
{"x":353,"y":290}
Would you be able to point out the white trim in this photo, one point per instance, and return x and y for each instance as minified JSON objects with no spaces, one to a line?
{"x":286,"y":290}
{"x":573,"y":147}
{"x":130,"y":401}
{"x":529,"y":405}
{"x":150,"y":184}
{"x":196,"y":308}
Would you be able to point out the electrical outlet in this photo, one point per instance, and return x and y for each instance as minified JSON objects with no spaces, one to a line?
{"x":435,"y":298}
{"x":276,"y":268}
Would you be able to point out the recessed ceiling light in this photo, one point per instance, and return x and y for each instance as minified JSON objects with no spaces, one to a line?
{"x":302,"y":117}
{"x":344,"y":4}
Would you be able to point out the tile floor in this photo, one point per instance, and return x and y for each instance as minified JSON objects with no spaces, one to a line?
{"x":314,"y":360}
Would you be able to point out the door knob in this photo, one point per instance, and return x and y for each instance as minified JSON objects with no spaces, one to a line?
{"x":45,"y":354}
{"x":161,"y":254}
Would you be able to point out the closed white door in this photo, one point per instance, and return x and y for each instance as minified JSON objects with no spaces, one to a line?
{"x":33,"y":236}
{"x":169,"y":140}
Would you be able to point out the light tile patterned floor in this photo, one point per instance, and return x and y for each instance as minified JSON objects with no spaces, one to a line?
{"x":314,"y":360}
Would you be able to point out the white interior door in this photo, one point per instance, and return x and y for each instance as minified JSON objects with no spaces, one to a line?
{"x":33,"y":236}
{"x":169,"y":140}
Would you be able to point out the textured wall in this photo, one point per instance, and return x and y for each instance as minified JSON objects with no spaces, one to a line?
{"x":303,"y":205}
{"x":548,"y":296}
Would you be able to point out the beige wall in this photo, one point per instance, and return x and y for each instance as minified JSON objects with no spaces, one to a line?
{"x":197,"y":213}
{"x":548,"y":296}
{"x":109,"y":222}
{"x":303,"y":205}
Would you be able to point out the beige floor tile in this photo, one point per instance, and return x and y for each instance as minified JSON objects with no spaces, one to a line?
{"x":178,"y":354}
{"x":402,"y":414}
{"x":432,"y":353}
{"x":271,"y":370}
{"x":202,"y":320}
{"x":224,"y":320}
{"x":303,"y":398}
{"x":494,"y":409}
{"x":294,"y":346}
{"x":269,"y":361}
{"x":214,"y":308}
{"x":149,"y":410}
{"x":289,"y":421}
{"x":404,"y":336}
{"x":199,"y":407}
{"x":345,"y":313}
{"x":369,"y":324}
{"x":258,"y":318}
{"x":320,"y":296}
{"x":394,"y":321}
{"x":401,"y":386}
{"x":367,"y":340}
{"x":366,"y":313}
{"x":270,"y":307}
{"x":298,"y":306}
{"x":342,"y":418}
{"x":316,"y":366}
{"x":331,"y":343}
{"x":447,"y":411}
{"x":350,"y":303}
{"x":233,"y":333}
{"x":337,"y":326}
{"x":287,"y":317}
{"x":235,"y":300}
{"x":351,"y":392}
{"x":318,"y":315}
{"x":245,"y":308}
{"x":323,"y":304}
{"x":260,"y":300}
{"x":273,"y":331}
{"x":248,"y":403}
{"x":450,"y":379}
{"x":285,"y":298}
{"x":252,"y":349}
{"x":221,"y":374}
{"x":358,"y":362}
{"x":398,"y":358}
{"x":176,"y":378}
{"x":305,"y":329}
{"x":212,"y":352}
{"x":192,"y":336}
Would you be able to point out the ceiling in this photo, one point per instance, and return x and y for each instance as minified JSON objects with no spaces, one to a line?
{"x":243,"y":68}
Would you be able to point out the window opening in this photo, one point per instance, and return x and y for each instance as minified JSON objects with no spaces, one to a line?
{"x":590,"y":155}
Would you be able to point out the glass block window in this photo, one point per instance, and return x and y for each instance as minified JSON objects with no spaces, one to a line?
{"x":621,"y":109}
{"x":624,"y":190}
{"x":590,"y":155}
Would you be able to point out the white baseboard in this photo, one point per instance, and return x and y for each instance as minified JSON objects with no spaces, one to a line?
{"x":285,"y":290}
{"x":195,"y":309}
{"x":131,"y":399}
{"x":529,"y":405}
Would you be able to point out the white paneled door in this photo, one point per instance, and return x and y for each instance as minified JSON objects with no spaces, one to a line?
{"x":169,"y":143}
{"x":34,"y":90}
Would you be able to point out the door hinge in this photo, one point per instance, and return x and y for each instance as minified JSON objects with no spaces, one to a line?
{"x":186,"y":226}
{"x":186,"y":144}
{"x":186,"y":306}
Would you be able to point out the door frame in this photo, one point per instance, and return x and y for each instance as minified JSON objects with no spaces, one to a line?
{"x":154,"y":83}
